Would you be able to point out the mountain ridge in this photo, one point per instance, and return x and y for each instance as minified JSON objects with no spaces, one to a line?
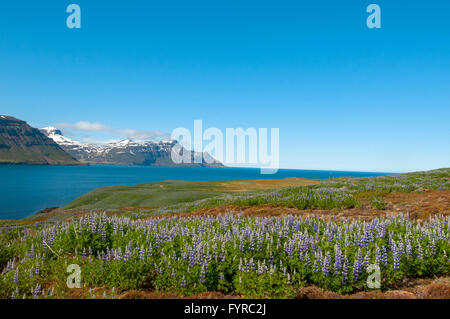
{"x":125,"y":152}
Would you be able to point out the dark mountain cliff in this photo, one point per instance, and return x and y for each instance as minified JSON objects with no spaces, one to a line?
{"x":22,"y":144}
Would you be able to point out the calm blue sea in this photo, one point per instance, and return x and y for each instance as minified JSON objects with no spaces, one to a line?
{"x":24,"y":189}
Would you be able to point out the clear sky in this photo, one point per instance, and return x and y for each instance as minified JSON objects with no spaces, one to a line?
{"x":344,"y":97}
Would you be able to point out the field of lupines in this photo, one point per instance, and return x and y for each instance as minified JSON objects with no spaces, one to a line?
{"x":266,"y":257}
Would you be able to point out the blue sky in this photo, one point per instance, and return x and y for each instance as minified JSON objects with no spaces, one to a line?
{"x":344,"y":97}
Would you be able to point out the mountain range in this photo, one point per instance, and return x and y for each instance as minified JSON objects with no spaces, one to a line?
{"x":125,"y":152}
{"x":23,"y":144}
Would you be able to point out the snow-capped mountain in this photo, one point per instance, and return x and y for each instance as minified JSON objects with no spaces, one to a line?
{"x":57,"y":136}
{"x":125,"y":152}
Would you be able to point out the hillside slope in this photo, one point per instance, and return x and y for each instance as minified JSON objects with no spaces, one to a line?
{"x":160,"y":194}
{"x":22,"y":144}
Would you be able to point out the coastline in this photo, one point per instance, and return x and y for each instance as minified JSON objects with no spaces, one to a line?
{"x":61,"y":184}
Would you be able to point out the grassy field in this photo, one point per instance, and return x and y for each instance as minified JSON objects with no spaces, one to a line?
{"x":144,"y":195}
{"x":173,"y":197}
{"x":171,"y":192}
{"x":177,"y":197}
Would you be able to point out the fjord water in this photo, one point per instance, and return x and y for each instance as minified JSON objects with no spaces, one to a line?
{"x":26,"y":189}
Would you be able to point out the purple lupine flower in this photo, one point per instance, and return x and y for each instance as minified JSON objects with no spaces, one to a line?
{"x":289,"y":250}
{"x":345,"y":270}
{"x":127,"y":254}
{"x":391,"y":241}
{"x":32,"y":251}
{"x":107,"y":256}
{"x":396,"y":255}
{"x":377,"y":255}
{"x":300,"y":256}
{"x":16,"y":276}
{"x":384,"y":258}
{"x":191,"y":257}
{"x":315,"y":266}
{"x":366,"y":261}
{"x":432,"y":247}
{"x":37,"y":291}
{"x":44,"y":240}
{"x":313,"y":246}
{"x":330,"y":236}
{"x":222,"y":255}
{"x":347,"y":241}
{"x":203,"y":274}
{"x":357,"y":265}
{"x":251,"y":264}
{"x":104,"y":256}
{"x":337,"y":258}
{"x":307,"y":260}
{"x":142,"y":253}
{"x":270,"y":258}
{"x":400,"y":248}
{"x":419,"y":251}
{"x":118,"y":254}
{"x":326,"y":265}
{"x":409,"y":249}
{"x":306,"y":245}
{"x":150,"y":250}
{"x":183,"y":282}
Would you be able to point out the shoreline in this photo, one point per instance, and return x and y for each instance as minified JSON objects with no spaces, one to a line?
{"x":221,"y":185}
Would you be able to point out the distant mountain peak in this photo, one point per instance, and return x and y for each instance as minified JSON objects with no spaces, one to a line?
{"x":51,"y":130}
{"x":57,"y":136}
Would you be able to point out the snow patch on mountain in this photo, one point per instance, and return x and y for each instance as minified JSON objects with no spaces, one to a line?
{"x":56,"y":135}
